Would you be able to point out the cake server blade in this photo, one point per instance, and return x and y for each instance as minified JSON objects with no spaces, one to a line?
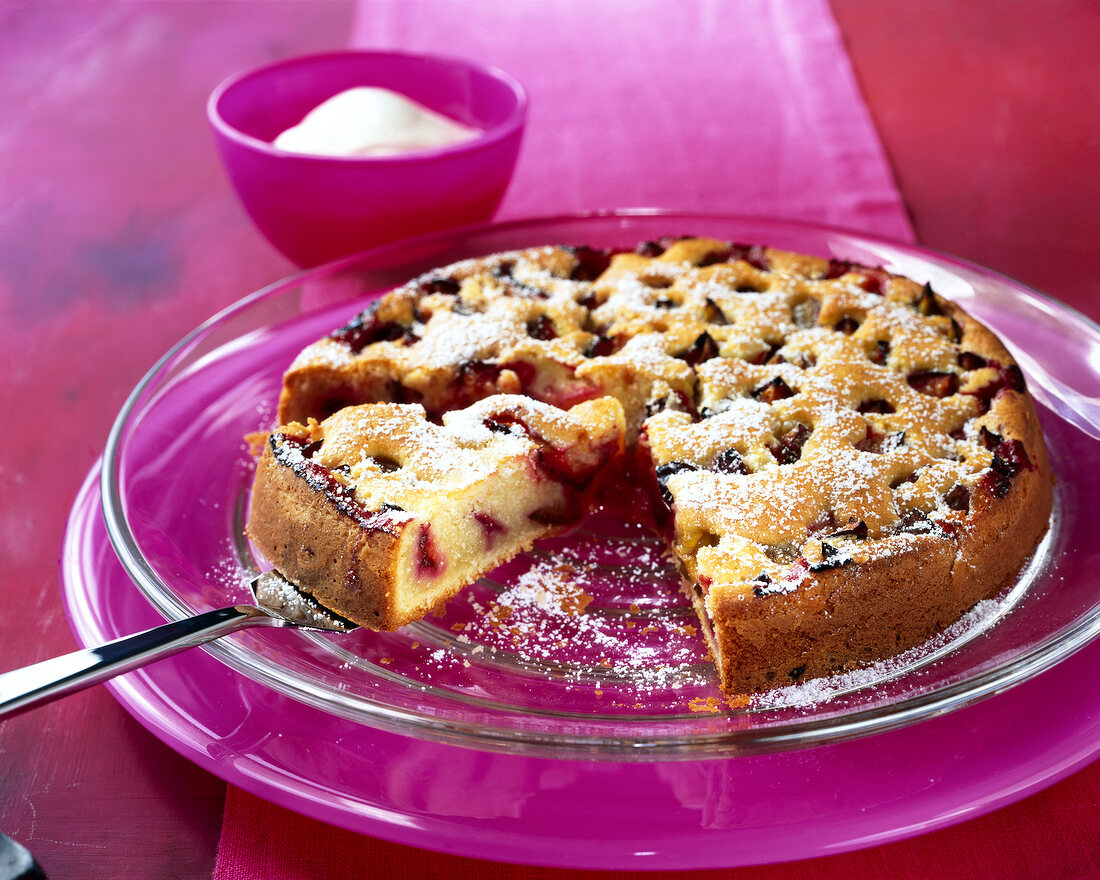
{"x":278,"y":603}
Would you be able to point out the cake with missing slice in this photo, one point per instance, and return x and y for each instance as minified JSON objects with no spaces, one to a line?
{"x":848,"y":461}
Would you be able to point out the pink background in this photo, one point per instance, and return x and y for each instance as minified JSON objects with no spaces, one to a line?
{"x":749,"y":108}
{"x":118,"y":234}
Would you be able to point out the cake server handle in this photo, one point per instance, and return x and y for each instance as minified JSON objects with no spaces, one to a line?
{"x":31,"y":686}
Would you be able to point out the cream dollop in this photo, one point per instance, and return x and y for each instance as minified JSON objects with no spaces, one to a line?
{"x":368,"y":121}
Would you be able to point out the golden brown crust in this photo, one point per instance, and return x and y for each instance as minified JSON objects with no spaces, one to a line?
{"x":346,"y":566}
{"x":837,"y":619}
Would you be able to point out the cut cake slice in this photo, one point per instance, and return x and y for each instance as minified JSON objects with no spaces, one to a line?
{"x":381,"y":514}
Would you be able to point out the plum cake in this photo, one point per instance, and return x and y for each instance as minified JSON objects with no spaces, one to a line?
{"x":846,"y":462}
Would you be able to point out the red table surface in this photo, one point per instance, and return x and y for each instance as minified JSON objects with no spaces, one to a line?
{"x":988,"y":112}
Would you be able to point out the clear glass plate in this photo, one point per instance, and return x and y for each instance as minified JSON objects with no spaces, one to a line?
{"x":584,"y":647}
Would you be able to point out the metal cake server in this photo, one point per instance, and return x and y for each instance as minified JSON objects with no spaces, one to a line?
{"x":278,"y":603}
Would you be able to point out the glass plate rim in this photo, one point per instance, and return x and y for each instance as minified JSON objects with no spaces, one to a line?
{"x":600,"y":746}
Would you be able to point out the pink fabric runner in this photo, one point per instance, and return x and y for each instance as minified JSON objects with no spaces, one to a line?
{"x":701,"y":105}
{"x":747,"y":108}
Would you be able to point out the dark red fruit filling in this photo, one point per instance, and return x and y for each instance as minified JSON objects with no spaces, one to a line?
{"x":601,"y":346}
{"x":437,"y":284}
{"x":503,"y":423}
{"x":875,"y":279}
{"x":650,"y":249}
{"x":729,"y":461}
{"x":385,"y":464}
{"x":591,"y":263}
{"x":366,"y":328}
{"x":702,"y":349}
{"x":491,"y":528}
{"x":916,"y":521}
{"x":788,"y":448}
{"x":658,"y":246}
{"x":847,"y":325}
{"x":667,"y":470}
{"x":754,"y":255}
{"x":429,"y":561}
{"x":958,"y":499}
{"x":837,"y":268}
{"x":477,"y":379}
{"x":1010,"y":378}
{"x":542,"y":328}
{"x":556,"y":463}
{"x":712,"y":314}
{"x":934,"y":384}
{"x":878,"y":405}
{"x":677,"y":402}
{"x":901,"y":481}
{"x":999,"y":479}
{"x":881,"y":352}
{"x":1009,"y":458}
{"x":990,"y":439}
{"x":761,"y":583}
{"x":773,"y":390}
{"x":831,"y":557}
{"x":1011,"y":451}
{"x":560,"y":466}
{"x":928,"y":304}
{"x":970,"y":361}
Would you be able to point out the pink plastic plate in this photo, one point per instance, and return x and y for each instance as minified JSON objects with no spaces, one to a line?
{"x":462,"y":736}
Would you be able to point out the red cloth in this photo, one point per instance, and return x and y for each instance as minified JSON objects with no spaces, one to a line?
{"x":746,"y":108}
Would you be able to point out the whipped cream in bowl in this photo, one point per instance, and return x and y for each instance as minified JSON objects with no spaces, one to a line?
{"x":372,"y":121}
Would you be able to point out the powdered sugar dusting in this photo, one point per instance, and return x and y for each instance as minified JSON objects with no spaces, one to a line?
{"x":547,"y":616}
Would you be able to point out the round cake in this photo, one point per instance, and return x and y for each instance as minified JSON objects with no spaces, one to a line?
{"x":846,"y":461}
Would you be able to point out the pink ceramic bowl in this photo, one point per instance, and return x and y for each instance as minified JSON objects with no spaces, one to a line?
{"x":318,"y":208}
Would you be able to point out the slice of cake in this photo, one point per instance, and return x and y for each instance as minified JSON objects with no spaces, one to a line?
{"x":381,"y":515}
{"x":848,"y":461}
